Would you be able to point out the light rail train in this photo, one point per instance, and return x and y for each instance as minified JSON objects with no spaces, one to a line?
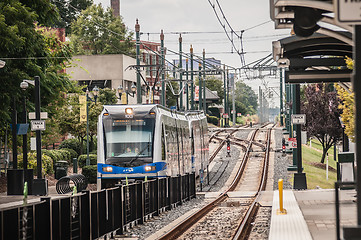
{"x":136,"y":141}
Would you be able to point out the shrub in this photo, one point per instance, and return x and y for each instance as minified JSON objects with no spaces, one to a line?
{"x":65,"y":155}
{"x":72,"y":143}
{"x":212,"y":119}
{"x":46,"y":161}
{"x":72,"y":152}
{"x":82,"y":160}
{"x":90,"y":173}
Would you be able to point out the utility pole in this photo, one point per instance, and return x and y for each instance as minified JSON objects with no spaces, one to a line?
{"x":192,"y":82}
{"x":224,"y":93}
{"x":163,"y":68}
{"x":234,"y":98}
{"x":137,"y":37}
{"x":187,"y":94}
{"x":180,"y":73}
{"x":260,"y":104}
{"x":204,"y":81}
{"x":281,"y":96}
{"x":200,"y":87}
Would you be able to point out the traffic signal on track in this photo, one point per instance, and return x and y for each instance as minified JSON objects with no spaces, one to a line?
{"x":283,"y":145}
{"x":228,"y":148}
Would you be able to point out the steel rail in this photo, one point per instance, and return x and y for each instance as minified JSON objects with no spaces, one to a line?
{"x":245,"y":225}
{"x":194,"y":218}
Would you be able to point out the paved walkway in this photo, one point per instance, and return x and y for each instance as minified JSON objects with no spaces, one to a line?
{"x":311,"y":214}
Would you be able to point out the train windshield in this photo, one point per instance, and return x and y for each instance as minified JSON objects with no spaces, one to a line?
{"x":129,"y":138}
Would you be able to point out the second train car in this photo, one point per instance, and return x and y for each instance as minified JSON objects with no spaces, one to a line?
{"x":135,"y":141}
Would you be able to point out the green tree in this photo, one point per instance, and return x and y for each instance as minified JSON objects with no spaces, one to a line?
{"x":29,"y":52}
{"x":215,"y":84}
{"x":98,"y":32}
{"x":69,"y":10}
{"x":245,"y":99}
{"x":68,"y":117}
{"x":322,"y":113}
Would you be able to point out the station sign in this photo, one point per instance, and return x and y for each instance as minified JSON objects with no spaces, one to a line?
{"x":348,"y":11}
{"x":298,"y":119}
{"x":37,"y":125}
{"x":225,"y":115}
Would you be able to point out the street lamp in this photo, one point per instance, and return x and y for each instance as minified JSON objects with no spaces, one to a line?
{"x":24,"y":85}
{"x":121,"y":91}
{"x":88,"y":98}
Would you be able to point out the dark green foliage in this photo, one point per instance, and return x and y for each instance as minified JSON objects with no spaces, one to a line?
{"x":68,"y":10}
{"x":82,"y":159}
{"x":65,"y":155}
{"x":72,"y":143}
{"x":212,"y":119}
{"x":214,"y":111}
{"x":90,"y":173}
{"x":72,"y":152}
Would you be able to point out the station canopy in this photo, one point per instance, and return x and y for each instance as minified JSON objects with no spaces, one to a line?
{"x":315,"y":59}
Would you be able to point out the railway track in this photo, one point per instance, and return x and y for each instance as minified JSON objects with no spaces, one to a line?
{"x":228,"y":217}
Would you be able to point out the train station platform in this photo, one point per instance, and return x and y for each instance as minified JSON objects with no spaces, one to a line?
{"x":311,"y":214}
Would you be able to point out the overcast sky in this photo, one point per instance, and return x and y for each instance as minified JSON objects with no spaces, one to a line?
{"x":198,"y":16}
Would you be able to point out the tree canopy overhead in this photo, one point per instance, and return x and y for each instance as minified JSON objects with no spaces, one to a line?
{"x":69,"y":10}
{"x":99,"y":32}
{"x":29,"y":52}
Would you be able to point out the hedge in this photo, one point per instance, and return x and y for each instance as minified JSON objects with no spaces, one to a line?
{"x":72,"y":143}
{"x":90,"y":172}
{"x":46,"y":161}
{"x":82,"y":160}
{"x":72,"y":152}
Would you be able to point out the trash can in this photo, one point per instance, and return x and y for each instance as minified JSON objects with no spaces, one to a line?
{"x":61,"y":169}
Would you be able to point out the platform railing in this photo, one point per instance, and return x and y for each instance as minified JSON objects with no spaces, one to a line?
{"x":92,"y":215}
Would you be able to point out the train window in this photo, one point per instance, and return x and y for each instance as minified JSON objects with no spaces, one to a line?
{"x":129,"y":138}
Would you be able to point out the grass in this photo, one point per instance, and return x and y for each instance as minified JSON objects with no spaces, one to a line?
{"x":316,"y":144}
{"x":315,"y":171}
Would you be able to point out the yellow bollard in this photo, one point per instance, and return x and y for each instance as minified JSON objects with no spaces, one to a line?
{"x":281,"y":210}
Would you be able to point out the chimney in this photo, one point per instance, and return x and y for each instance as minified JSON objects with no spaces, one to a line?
{"x":115,"y":5}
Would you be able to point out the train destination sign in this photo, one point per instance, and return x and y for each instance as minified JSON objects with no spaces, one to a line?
{"x":298,"y":119}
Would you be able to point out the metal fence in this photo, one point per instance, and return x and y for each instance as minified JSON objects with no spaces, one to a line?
{"x":91,"y":215}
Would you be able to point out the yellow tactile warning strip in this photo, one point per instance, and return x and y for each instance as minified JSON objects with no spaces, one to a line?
{"x":290,"y":226}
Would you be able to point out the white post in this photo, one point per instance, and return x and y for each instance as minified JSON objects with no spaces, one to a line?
{"x":327,"y":166}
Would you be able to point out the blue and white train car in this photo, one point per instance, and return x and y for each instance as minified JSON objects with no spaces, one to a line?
{"x":135,"y":141}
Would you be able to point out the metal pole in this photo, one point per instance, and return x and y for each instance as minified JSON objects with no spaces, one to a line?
{"x":38,"y":132}
{"x":187,"y":94}
{"x":234,"y":100}
{"x":192,"y":83}
{"x":228,"y":108}
{"x":137,"y":37}
{"x":180,"y":73}
{"x":281,"y":97}
{"x":14,"y":135}
{"x":163,"y":70}
{"x":299,"y":177}
{"x":260,"y":104}
{"x":87,"y":162}
{"x":356,"y":86}
{"x":224,"y":94}
{"x":204,"y":81}
{"x":200,"y":87}
{"x":25,"y":139}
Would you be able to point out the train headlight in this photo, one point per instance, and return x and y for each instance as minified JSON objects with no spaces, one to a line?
{"x":129,"y":111}
{"x":108,"y":169}
{"x":149,"y":168}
